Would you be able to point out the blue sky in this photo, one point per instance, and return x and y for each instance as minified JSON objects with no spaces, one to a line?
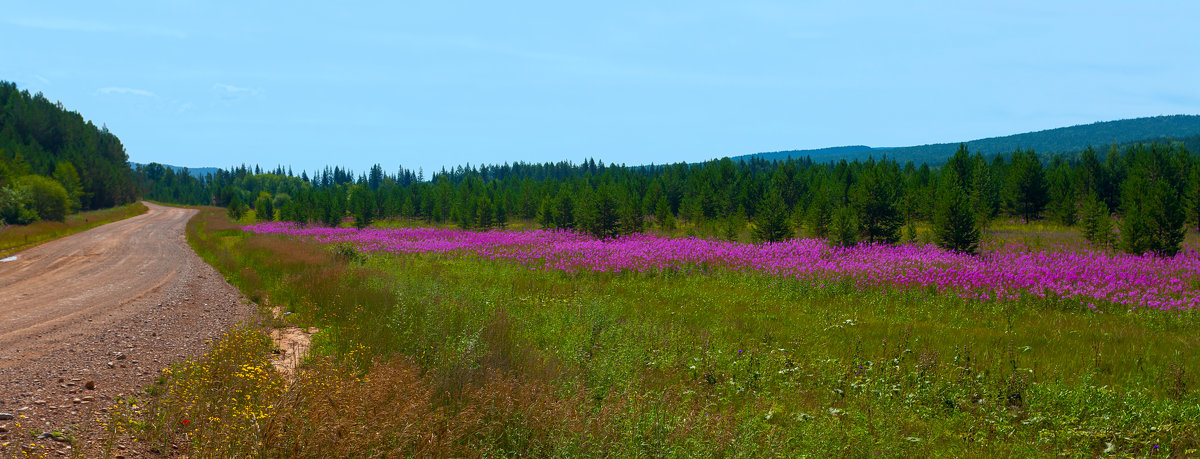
{"x":442,"y":83}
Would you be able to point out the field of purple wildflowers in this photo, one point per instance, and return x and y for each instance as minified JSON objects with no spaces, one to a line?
{"x":1004,"y":272}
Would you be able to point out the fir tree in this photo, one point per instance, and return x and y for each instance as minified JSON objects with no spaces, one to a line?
{"x":1154,"y":215}
{"x":1027,"y":185}
{"x":264,"y":207}
{"x":236,"y":209}
{"x":662,"y":212}
{"x":820,"y":216}
{"x":844,"y":227}
{"x":954,"y":225}
{"x":362,"y":206}
{"x":1096,"y":221}
{"x":772,"y":224}
{"x":875,"y":201}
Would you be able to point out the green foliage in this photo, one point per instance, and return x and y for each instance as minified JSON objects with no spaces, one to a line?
{"x":1096,"y":222}
{"x":16,"y":205}
{"x":1027,"y":185}
{"x":662,"y":213}
{"x":773,"y":224}
{"x":68,"y":177}
{"x":38,"y":136}
{"x":362,"y":206}
{"x":876,"y":203}
{"x":602,"y":215}
{"x":49,"y":198}
{"x":845,"y":227}
{"x":236,"y":209}
{"x":264,"y":207}
{"x":820,"y":216}
{"x":984,"y":194}
{"x":1062,"y":191}
{"x":1153,"y":200}
{"x":954,"y":224}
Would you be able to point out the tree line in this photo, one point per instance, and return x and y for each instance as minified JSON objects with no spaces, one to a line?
{"x":1135,"y":198}
{"x":53,"y":162}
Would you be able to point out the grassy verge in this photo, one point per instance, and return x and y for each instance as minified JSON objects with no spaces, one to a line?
{"x":16,"y":238}
{"x":433,"y":355}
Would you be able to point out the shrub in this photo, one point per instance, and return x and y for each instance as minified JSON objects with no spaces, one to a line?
{"x":50,"y":199}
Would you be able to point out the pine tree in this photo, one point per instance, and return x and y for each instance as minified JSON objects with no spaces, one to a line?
{"x":1062,"y":203}
{"x":235,"y":209}
{"x":662,"y":212}
{"x":605,"y":219}
{"x":564,"y":210}
{"x":1026,"y":185}
{"x":954,"y":225}
{"x":1153,"y":220}
{"x":820,"y":216}
{"x":844,"y":227}
{"x":1096,"y":221}
{"x":772,"y":224}
{"x":983,"y":192}
{"x":264,"y":207}
{"x":1152,"y":201}
{"x":875,"y":201}
{"x":362,"y":206}
{"x":483,"y":213}
{"x":546,"y":215}
{"x":500,"y":214}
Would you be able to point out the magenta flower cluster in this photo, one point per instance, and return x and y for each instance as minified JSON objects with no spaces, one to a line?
{"x":1004,"y":273}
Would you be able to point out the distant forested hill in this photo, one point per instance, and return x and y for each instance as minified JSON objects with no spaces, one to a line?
{"x":41,"y":138}
{"x":198,"y":172}
{"x":1061,"y":140}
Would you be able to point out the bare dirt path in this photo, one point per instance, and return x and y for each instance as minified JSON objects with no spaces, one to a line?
{"x":98,"y":314}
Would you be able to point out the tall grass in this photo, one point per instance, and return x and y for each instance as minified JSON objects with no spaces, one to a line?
{"x":451,"y":356}
{"x":15,"y":238}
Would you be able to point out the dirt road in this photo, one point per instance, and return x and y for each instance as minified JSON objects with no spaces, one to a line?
{"x":89,"y":317}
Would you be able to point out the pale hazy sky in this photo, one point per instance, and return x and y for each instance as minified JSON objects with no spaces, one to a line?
{"x":441,"y":83}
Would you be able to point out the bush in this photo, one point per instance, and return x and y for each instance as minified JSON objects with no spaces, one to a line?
{"x":16,"y":206}
{"x":50,"y":200}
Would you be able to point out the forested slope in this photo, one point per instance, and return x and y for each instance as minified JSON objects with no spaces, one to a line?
{"x":1071,"y":139}
{"x":44,"y":147}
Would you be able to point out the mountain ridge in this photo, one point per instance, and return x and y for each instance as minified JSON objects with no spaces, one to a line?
{"x":1048,"y":141}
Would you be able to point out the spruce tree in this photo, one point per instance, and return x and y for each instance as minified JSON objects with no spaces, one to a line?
{"x":820,"y":216}
{"x":662,"y":212}
{"x":772,"y":224}
{"x":1026,"y":185}
{"x":983,"y":194}
{"x":1154,"y":216}
{"x":844,"y":227}
{"x":605,"y":219}
{"x":483,"y":213}
{"x":1096,"y":221}
{"x":546,"y":214}
{"x":875,"y":201}
{"x":264,"y":207}
{"x":362,"y":206}
{"x":954,"y":225}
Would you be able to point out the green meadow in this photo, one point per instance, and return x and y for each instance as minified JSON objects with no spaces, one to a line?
{"x":452,"y":356}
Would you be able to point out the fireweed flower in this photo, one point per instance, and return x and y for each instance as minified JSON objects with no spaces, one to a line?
{"x":1004,"y":273}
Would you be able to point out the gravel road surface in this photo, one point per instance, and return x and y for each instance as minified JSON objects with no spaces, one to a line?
{"x":89,"y":317}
